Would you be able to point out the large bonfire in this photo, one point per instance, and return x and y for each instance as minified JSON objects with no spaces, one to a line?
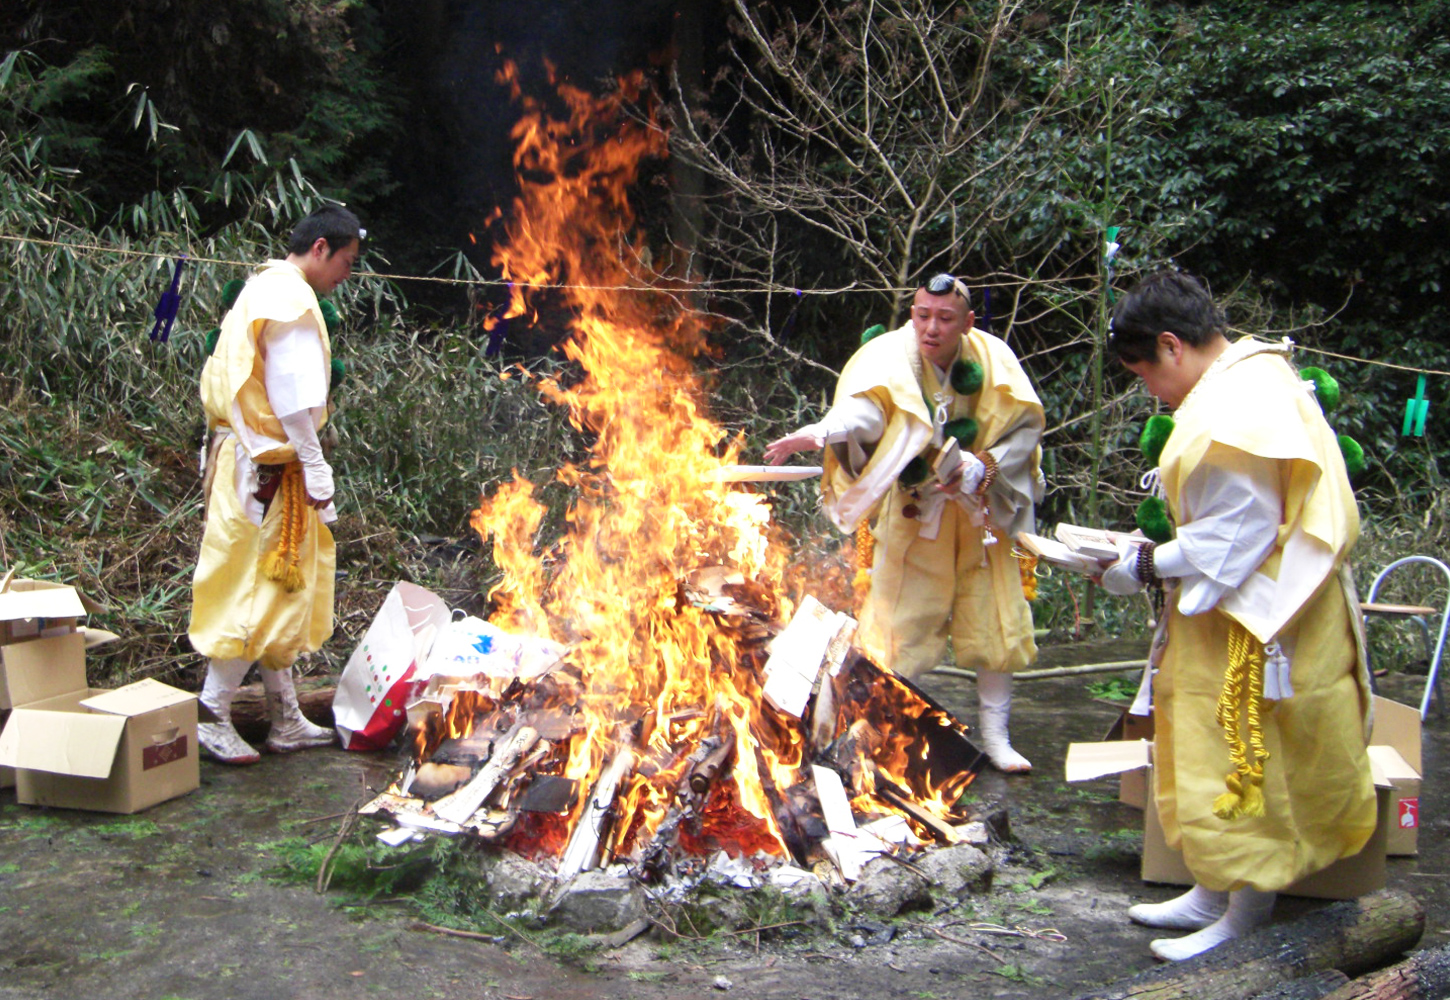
{"x":668,"y":579}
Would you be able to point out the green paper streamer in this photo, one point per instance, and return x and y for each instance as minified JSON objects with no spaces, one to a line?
{"x":1416,"y":412}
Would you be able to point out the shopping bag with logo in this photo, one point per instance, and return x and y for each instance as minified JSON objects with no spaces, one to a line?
{"x":371,"y":701}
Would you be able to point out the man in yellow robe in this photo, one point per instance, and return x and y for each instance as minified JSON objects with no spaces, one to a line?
{"x":943,"y":565}
{"x":263,"y":588}
{"x":1259,"y":595}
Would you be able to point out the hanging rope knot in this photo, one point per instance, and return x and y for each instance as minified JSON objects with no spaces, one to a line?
{"x":1152,"y":483}
{"x":1241,"y":701}
{"x":282,"y":563}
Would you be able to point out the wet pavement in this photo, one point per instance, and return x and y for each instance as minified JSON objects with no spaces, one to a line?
{"x":177,"y":902}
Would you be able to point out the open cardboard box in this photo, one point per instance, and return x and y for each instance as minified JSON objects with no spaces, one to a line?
{"x":78,"y":747}
{"x":32,"y":610}
{"x":117,"y":751}
{"x":1396,"y":732}
{"x":1395,"y":749}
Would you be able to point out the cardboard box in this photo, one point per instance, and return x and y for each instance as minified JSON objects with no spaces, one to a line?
{"x":34,"y":611}
{"x":1345,"y":879}
{"x":115,"y":751}
{"x":1395,"y":750}
{"x":1133,"y":784}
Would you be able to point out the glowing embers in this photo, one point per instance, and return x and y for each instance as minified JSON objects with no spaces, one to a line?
{"x":870,"y":764}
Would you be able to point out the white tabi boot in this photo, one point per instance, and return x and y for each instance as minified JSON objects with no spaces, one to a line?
{"x":1247,"y":909}
{"x":994,"y":703}
{"x":220,"y":739}
{"x":291,"y":731}
{"x":1192,"y":911}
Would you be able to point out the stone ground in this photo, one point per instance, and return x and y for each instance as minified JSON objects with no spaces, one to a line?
{"x":176,"y":904}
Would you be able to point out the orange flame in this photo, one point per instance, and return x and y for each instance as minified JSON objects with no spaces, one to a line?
{"x":647,"y":506}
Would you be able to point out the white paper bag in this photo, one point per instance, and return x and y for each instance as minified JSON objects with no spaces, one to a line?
{"x":371,"y":701}
{"x":471,"y":646}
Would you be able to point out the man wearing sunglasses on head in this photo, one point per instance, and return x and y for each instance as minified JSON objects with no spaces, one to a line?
{"x":934,"y":439}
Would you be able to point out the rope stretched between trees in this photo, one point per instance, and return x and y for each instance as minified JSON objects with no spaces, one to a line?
{"x":562,"y":286}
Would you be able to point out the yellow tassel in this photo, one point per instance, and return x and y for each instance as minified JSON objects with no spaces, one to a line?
{"x":282,"y":563}
{"x":1243,"y":685}
{"x":865,"y":552}
{"x":1027,"y":566}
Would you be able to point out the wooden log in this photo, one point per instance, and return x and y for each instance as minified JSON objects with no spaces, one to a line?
{"x":249,"y":708}
{"x":1425,"y":975}
{"x":582,"y":853}
{"x":459,"y":806}
{"x":1313,"y":987}
{"x":939,"y":828}
{"x":1353,"y":936}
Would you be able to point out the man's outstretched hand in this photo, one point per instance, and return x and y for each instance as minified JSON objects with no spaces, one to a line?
{"x":805,"y":439}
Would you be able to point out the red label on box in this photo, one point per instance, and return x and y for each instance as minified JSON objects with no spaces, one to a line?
{"x":1409,"y":813}
{"x":165,"y":753}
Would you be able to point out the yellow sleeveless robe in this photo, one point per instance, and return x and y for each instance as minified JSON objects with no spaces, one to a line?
{"x":924,"y":591}
{"x":1319,"y":797}
{"x":237,"y":611}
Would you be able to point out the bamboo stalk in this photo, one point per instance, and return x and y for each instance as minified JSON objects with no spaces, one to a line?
{"x":1032,"y":675}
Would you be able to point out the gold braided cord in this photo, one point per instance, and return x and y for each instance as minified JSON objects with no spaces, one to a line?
{"x":865,"y":552}
{"x":1241,"y":701}
{"x":1027,"y":566}
{"x":282,"y":563}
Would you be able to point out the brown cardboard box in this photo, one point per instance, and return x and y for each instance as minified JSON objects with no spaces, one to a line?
{"x":1133,"y":785}
{"x":110,"y":751}
{"x":1345,"y":879}
{"x":31,"y":610}
{"x":1395,"y":749}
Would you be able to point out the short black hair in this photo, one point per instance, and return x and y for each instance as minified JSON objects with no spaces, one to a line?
{"x":332,"y":223}
{"x":1164,"y":301}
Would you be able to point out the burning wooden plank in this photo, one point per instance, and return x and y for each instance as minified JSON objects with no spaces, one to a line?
{"x":583,"y":850}
{"x":460,"y":806}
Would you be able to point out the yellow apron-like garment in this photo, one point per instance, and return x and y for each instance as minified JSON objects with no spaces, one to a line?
{"x":924,"y":590}
{"x":237,"y":611}
{"x":1319,"y":797}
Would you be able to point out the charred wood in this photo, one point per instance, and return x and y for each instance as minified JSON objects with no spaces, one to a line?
{"x":460,"y":806}
{"x":1425,"y":975}
{"x":582,"y":853}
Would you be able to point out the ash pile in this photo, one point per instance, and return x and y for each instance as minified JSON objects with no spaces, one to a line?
{"x":800,"y":764}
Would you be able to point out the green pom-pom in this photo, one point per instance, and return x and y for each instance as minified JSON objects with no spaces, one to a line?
{"x":330,"y":315}
{"x":212,"y":336}
{"x":1153,"y":520}
{"x":339,"y":374}
{"x":1155,"y":435}
{"x":1326,"y":389}
{"x":872,"y":332}
{"x":966,"y":377}
{"x":1354,"y":462}
{"x":964,"y":429}
{"x":230,"y":291}
{"x":915,"y":472}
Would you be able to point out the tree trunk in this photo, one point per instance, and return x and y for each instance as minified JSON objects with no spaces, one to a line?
{"x":1353,"y":936}
{"x":1425,"y":975}
{"x":249,"y":708}
{"x":1314,"y":987}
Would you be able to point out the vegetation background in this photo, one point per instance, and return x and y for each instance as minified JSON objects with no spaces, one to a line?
{"x":826,"y":156}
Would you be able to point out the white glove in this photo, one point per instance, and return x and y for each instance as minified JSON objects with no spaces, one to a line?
{"x":302,"y":435}
{"x":973,"y":469}
{"x":1121,"y":578}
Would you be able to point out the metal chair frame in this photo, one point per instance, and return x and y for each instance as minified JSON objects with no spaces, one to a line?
{"x":1436,"y":651}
